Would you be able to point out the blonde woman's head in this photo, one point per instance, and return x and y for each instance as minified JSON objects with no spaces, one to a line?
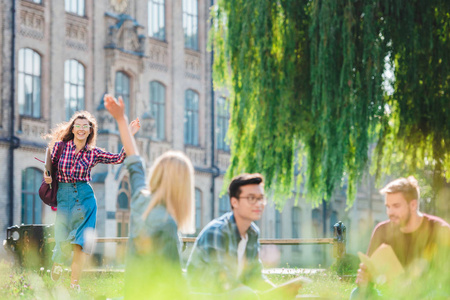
{"x":171,"y":183}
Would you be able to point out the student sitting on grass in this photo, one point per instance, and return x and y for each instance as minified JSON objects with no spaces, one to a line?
{"x":225,"y":258}
{"x":158,"y":211}
{"x":420,"y":241}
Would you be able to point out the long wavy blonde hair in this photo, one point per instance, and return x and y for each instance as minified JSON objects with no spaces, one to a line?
{"x":63,"y":131}
{"x":171,"y":184}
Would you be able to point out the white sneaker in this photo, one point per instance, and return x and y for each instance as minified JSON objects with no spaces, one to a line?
{"x":57,"y":271}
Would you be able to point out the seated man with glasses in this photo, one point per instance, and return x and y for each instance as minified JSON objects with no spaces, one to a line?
{"x":225,"y":257}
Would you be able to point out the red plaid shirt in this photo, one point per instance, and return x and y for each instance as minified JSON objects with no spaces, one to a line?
{"x":77,"y":167}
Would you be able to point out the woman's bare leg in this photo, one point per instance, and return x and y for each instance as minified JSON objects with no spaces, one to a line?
{"x":77,"y":264}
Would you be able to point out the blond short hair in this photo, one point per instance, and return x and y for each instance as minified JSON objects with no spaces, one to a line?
{"x":409,"y":187}
{"x":171,"y":184}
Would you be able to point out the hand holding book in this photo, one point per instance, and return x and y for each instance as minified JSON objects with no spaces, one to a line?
{"x":47,"y":166}
{"x":383,"y":265}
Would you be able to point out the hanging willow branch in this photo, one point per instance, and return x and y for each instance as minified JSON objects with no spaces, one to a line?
{"x":306,"y":80}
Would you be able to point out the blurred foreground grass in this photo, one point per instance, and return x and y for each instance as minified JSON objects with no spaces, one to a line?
{"x":16,"y":283}
{"x":37,"y":284}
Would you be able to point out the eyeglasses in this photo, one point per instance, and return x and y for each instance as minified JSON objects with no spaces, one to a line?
{"x":253,"y":199}
{"x":82,"y":126}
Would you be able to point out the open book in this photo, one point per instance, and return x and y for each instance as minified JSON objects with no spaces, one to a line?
{"x":287,"y":289}
{"x":383,"y":265}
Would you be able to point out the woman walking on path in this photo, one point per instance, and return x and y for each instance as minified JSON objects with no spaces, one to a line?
{"x":158,"y":211}
{"x":77,"y":208}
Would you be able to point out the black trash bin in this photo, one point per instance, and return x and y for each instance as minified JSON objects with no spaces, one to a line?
{"x":31,"y":245}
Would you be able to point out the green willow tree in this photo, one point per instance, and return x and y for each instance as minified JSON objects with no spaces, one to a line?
{"x":306,"y":80}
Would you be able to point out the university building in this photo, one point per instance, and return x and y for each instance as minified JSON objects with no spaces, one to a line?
{"x":58,"y":57}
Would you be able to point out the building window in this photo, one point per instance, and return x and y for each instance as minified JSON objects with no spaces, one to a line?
{"x":157,"y":19}
{"x":277,"y":224}
{"x":224,"y":204}
{"x":316,"y":221}
{"x":198,"y":210}
{"x":333,"y":220}
{"x":223,"y":118}
{"x":191,"y":118}
{"x":36,"y":1}
{"x":158,"y":108}
{"x":123,"y":207}
{"x":190,"y":24}
{"x":122,"y":89}
{"x":75,"y":7}
{"x":29,"y":83}
{"x":123,"y":200}
{"x":296,"y":226}
{"x":316,"y":226}
{"x":73,"y":87}
{"x":31,"y":203}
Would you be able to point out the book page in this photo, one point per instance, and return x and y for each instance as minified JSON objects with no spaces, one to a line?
{"x":48,"y":161}
{"x":289,"y":288}
{"x":383,"y":264}
{"x":368,"y":263}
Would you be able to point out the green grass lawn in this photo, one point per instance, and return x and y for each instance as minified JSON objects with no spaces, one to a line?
{"x":37,"y":284}
{"x":326,"y":284}
{"x":16,"y":283}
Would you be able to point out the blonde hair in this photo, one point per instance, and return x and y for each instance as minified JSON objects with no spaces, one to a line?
{"x":63,"y":131}
{"x":409,"y":187}
{"x":171,"y":184}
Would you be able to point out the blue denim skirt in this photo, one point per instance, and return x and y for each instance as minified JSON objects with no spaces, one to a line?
{"x":75,"y":219}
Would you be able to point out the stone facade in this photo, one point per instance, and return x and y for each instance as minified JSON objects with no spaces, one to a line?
{"x":105,"y":41}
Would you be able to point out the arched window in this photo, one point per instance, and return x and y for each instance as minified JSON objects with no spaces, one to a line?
{"x":122,"y":200}
{"x":31,"y":203}
{"x":123,"y":207}
{"x":75,"y":7}
{"x":296,"y":225}
{"x":224,"y":204}
{"x":198,"y":210}
{"x":158,"y":108}
{"x":191,"y":118}
{"x":223,"y":118}
{"x":157,"y":19}
{"x":122,"y":88}
{"x":74,"y":92}
{"x":190,"y":24}
{"x":316,"y":221}
{"x":29,"y":83}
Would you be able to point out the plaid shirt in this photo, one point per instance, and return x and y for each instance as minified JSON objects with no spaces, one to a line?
{"x":212,"y":265}
{"x":77,"y":167}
